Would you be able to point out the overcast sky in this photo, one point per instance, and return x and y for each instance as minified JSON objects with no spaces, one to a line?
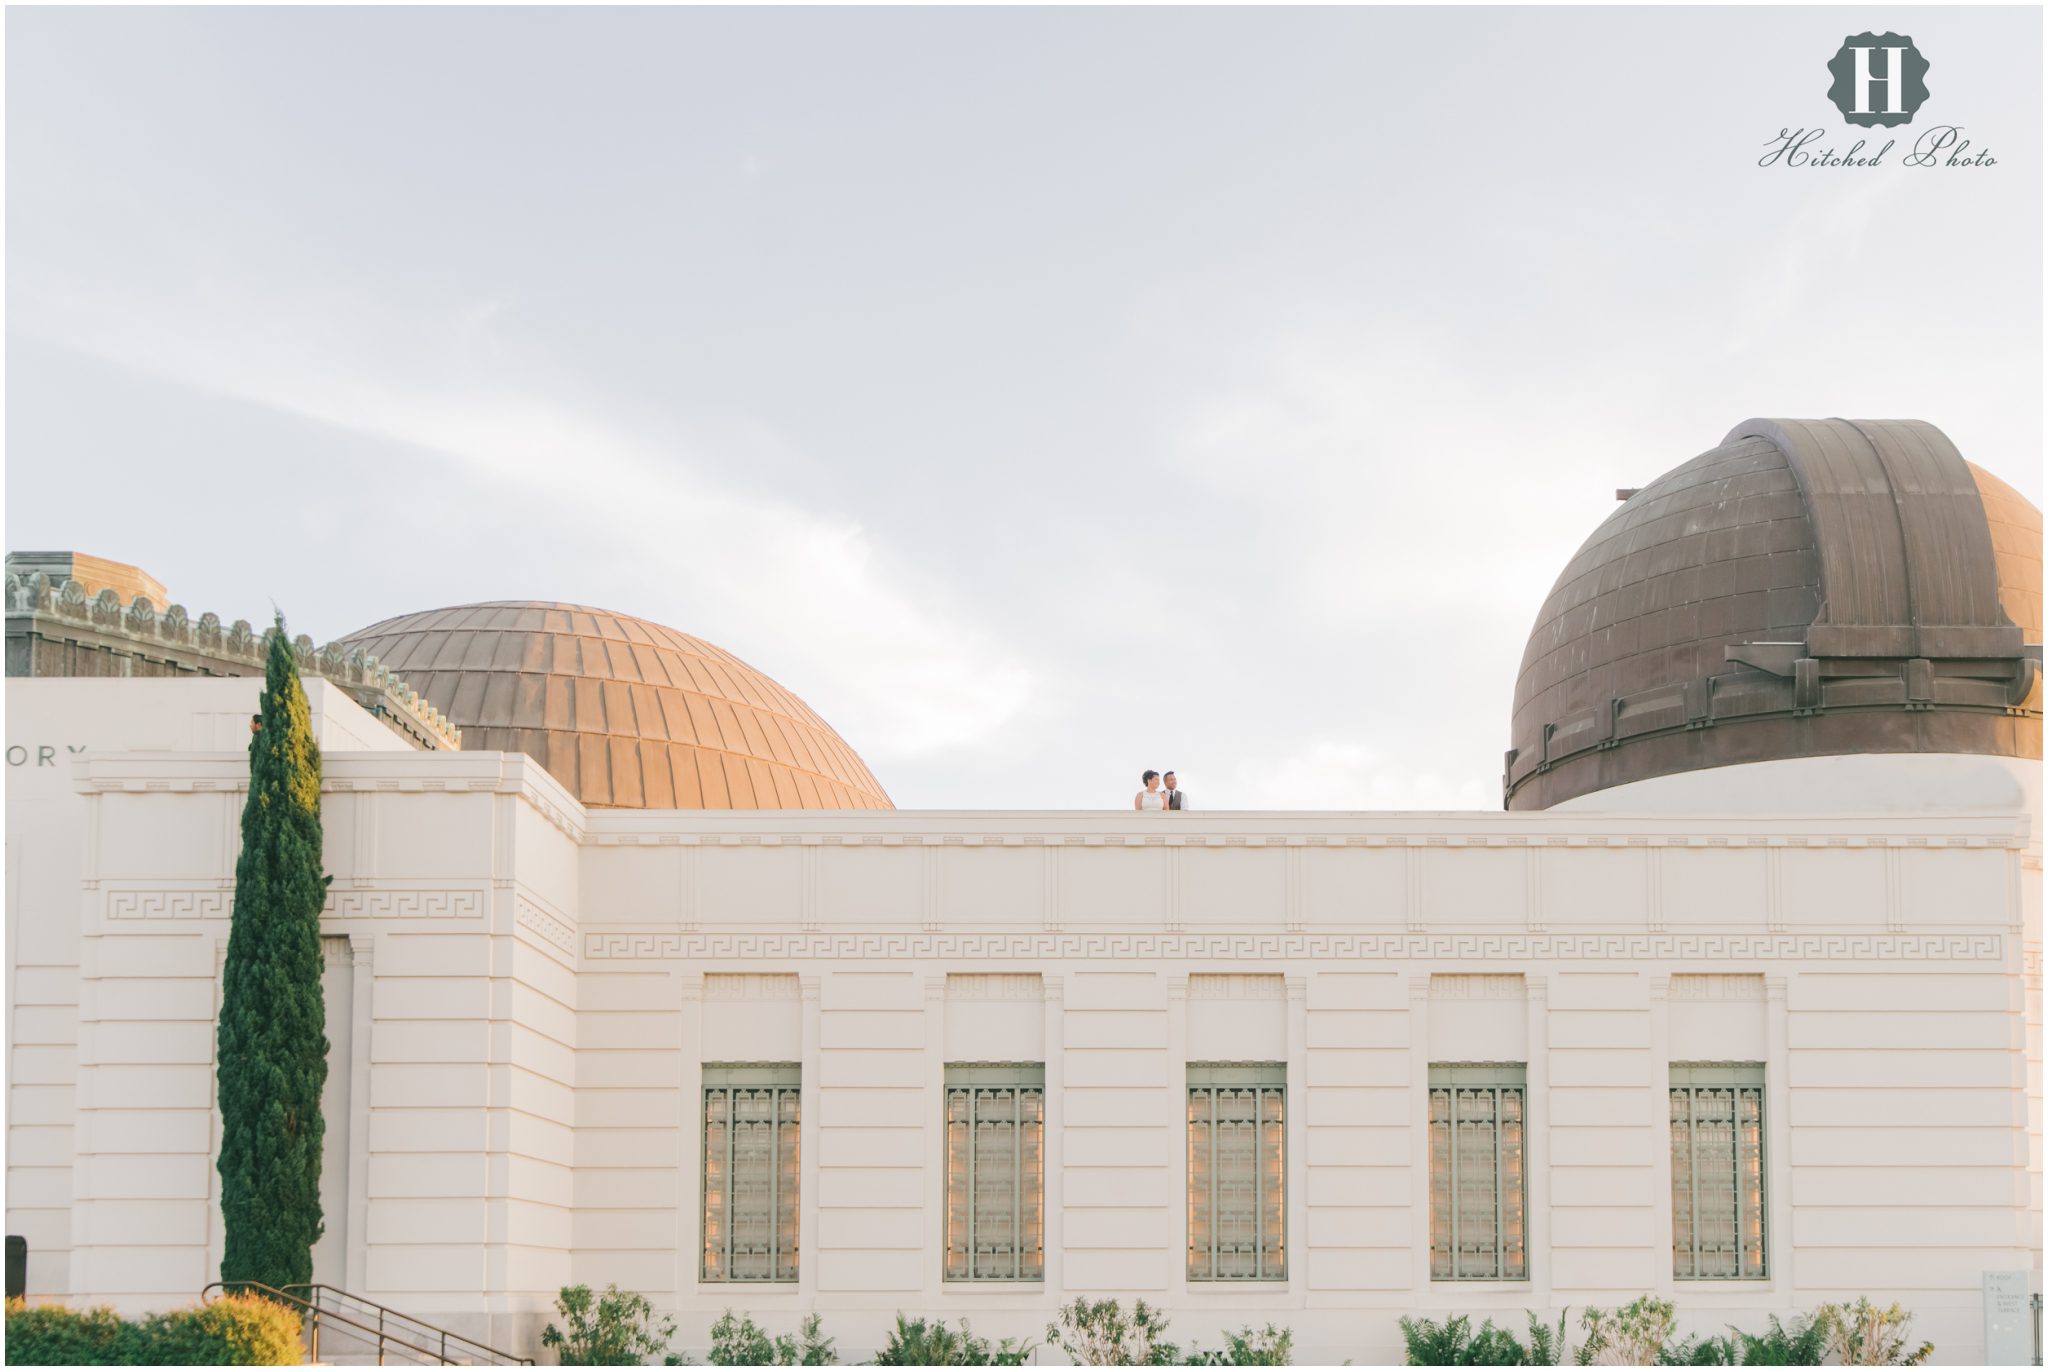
{"x":1042,"y":395}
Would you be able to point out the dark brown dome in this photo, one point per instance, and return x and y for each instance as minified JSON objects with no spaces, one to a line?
{"x":627,"y":714}
{"x":1810,"y":587}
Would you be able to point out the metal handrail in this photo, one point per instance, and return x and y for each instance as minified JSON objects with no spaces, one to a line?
{"x":378,"y":1333}
{"x":484,"y":1352}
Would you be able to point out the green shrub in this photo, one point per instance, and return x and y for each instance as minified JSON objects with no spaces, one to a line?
{"x":1633,"y":1335}
{"x":1861,"y":1334}
{"x":740,"y":1342}
{"x":1802,"y":1343}
{"x":235,"y":1330}
{"x":916,"y":1342}
{"x":51,"y":1335}
{"x":1268,"y":1346}
{"x":1547,"y":1346}
{"x":616,"y":1328}
{"x":1099,"y":1334}
{"x":1453,"y":1343}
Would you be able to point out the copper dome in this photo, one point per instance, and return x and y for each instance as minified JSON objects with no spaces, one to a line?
{"x":627,"y":714}
{"x":1808,"y":588}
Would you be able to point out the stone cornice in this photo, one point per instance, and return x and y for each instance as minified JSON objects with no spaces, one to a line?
{"x":1306,"y":829}
{"x":499,"y":773}
{"x":515,"y":773}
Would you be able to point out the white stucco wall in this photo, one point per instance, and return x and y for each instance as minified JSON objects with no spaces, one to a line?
{"x":50,"y":723}
{"x":533,"y":990}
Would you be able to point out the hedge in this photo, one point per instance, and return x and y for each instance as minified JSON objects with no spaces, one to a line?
{"x":235,"y":1330}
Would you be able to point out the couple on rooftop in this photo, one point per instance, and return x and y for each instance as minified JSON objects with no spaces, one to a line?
{"x":1159,"y":793}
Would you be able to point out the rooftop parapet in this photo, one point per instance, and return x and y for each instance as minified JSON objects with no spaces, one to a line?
{"x":56,"y":628}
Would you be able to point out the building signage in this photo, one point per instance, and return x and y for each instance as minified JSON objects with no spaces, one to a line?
{"x":2008,"y":1319}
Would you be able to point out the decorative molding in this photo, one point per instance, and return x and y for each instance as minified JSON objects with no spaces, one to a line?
{"x":1295,"y":857}
{"x":1462,"y":986}
{"x":404,"y":904}
{"x":1238,"y":986}
{"x":1774,"y":888}
{"x":171,"y":636}
{"x":170,"y":904}
{"x":1029,"y":986}
{"x":753,"y":986}
{"x":529,"y":912}
{"x":1894,"y":889}
{"x":1717,"y":986}
{"x":1257,"y":947}
{"x":1411,"y":887}
{"x":1516,"y":835}
{"x":1653,"y":889}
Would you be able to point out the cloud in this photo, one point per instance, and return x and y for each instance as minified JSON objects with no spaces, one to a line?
{"x":811,"y":595}
{"x":1344,"y":774}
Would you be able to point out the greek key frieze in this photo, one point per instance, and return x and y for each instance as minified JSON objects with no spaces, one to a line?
{"x":913,"y":945}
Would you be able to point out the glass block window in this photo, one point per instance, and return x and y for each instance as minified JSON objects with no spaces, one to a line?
{"x":1477,"y":1195}
{"x":995,"y":1172}
{"x":1717,"y":1171}
{"x":751,"y":1138}
{"x":1237,"y":1171}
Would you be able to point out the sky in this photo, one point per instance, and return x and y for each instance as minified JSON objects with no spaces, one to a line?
{"x":1041,"y":394}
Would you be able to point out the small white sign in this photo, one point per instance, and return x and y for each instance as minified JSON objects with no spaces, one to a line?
{"x":2008,"y":1319}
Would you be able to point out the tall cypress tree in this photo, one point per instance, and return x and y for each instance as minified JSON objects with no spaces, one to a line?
{"x":273,"y":1025}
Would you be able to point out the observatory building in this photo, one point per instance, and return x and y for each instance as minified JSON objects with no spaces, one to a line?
{"x":634,"y":974}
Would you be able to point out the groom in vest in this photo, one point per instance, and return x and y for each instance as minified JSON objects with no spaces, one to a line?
{"x":1174,"y":799}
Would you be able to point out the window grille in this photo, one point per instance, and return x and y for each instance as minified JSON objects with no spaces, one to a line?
{"x":995,"y":1172}
{"x":751,"y":1139}
{"x":1237,"y":1171}
{"x":1717,"y":1171}
{"x":1477,"y":1230}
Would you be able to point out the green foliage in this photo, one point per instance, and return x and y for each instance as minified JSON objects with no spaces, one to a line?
{"x":1715,"y":1350}
{"x":1861,"y":1334}
{"x":1802,"y":1343}
{"x":273,"y":1040}
{"x":1633,"y":1335}
{"x":1639,"y":1334}
{"x":917,"y":1342}
{"x":1454,"y":1343}
{"x":235,"y":1330}
{"x":1547,"y":1346}
{"x":51,"y":1335}
{"x":1099,"y":1333}
{"x":740,"y":1342}
{"x":616,"y":1328}
{"x":1268,"y":1346}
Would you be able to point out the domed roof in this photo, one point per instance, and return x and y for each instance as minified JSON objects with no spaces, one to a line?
{"x":1808,"y":588}
{"x":627,"y":714}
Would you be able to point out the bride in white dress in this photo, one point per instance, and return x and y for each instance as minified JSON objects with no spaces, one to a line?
{"x":1151,"y":797}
